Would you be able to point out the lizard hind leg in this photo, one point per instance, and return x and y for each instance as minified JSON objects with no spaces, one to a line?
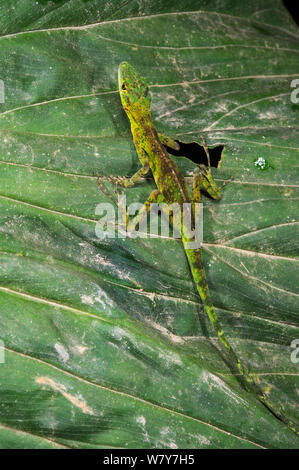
{"x":208,"y":182}
{"x":204,"y":179}
{"x":142,"y":214}
{"x":170,"y":214}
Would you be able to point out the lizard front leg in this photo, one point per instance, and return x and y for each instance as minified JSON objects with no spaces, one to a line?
{"x":168,"y":142}
{"x":127,"y":182}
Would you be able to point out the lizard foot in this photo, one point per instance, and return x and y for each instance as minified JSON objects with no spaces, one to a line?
{"x":117,"y":180}
{"x":104,"y":189}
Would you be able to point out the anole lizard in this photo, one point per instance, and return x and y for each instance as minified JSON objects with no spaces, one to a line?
{"x":172,"y":188}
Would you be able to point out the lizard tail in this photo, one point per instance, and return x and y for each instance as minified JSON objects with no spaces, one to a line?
{"x":195,"y":259}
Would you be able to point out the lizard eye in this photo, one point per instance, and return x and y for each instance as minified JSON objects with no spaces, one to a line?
{"x":123,"y":87}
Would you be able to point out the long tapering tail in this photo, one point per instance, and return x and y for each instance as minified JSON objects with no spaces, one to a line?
{"x":195,"y":259}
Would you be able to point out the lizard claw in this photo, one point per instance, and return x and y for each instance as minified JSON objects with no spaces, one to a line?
{"x":226,"y":181}
{"x":104,"y":189}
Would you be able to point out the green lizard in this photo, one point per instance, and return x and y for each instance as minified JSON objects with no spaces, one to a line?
{"x":172,"y":188}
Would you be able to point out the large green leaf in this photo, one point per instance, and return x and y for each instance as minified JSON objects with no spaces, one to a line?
{"x":106,"y":344}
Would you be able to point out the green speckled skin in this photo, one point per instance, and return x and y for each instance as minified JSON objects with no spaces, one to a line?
{"x":172,"y":188}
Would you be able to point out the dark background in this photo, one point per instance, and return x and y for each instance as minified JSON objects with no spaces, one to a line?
{"x":293,"y":8}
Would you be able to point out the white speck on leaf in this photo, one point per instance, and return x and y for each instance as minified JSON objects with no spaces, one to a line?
{"x":141,"y":420}
{"x":62,"y":352}
{"x":87,"y":300}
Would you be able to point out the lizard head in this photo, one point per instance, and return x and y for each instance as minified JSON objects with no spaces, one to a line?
{"x":134,"y":91}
